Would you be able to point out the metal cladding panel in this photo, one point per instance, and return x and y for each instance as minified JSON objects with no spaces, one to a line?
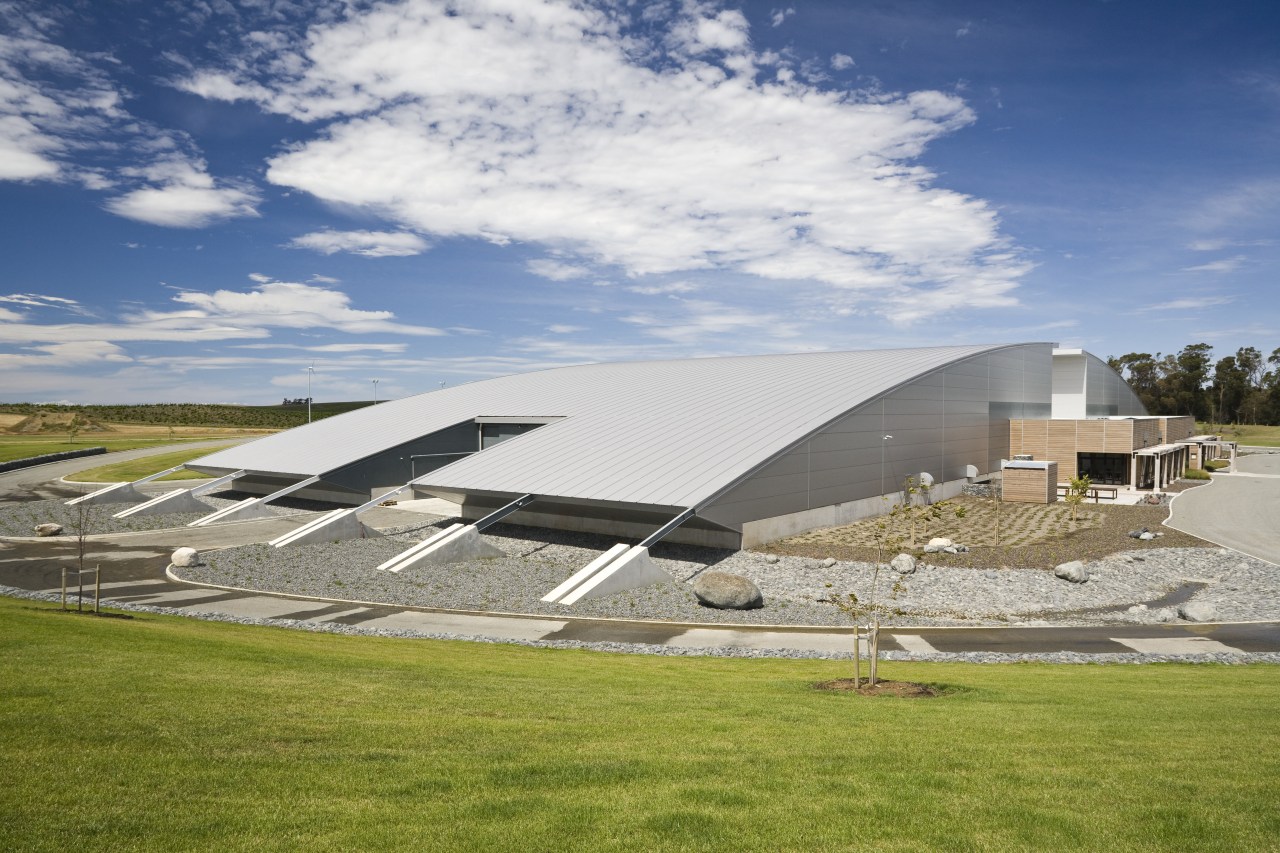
{"x":669,"y":433}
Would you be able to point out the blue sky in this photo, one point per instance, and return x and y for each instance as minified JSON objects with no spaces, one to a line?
{"x":200,"y":199}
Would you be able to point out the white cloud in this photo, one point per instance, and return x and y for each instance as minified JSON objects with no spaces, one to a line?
{"x":1189,"y":303}
{"x":64,"y":355}
{"x":778,"y":16}
{"x":285,"y":305}
{"x":842,"y":61}
{"x":342,"y":348}
{"x":556,"y":270}
{"x":965,"y":30}
{"x":696,"y":321}
{"x":576,"y":128}
{"x":186,"y":196}
{"x":562,"y":329}
{"x":663,"y":289}
{"x":1222,"y":265}
{"x":370,"y":244}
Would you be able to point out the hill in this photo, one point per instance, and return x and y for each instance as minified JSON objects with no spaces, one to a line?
{"x":43,"y":417}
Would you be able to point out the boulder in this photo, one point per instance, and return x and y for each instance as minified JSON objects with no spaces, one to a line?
{"x":1073,"y":571}
{"x":1198,"y":611}
{"x":903,"y":564}
{"x":184,"y":557}
{"x":771,"y":558}
{"x":48,"y":529}
{"x":1147,"y":536}
{"x":829,"y":562}
{"x":1134,"y":534}
{"x":725,"y":591}
{"x":938,"y":544}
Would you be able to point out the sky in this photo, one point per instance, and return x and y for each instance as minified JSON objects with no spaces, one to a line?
{"x":215,"y":201}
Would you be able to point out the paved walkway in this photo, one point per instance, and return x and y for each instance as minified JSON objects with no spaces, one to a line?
{"x":1240,"y":510}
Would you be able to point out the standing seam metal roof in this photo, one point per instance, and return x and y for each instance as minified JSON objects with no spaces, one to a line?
{"x":666,"y":433}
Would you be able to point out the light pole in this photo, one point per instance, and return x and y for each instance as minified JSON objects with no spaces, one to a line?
{"x":375,"y":392}
{"x":311,"y":368}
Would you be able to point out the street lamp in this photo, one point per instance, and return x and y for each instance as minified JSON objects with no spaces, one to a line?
{"x":375,"y":392}
{"x":311,"y":368}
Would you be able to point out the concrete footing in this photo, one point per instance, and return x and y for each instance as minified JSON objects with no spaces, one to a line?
{"x":330,"y":527}
{"x":116,"y":493}
{"x":618,"y":569}
{"x":177,"y":501}
{"x":455,"y":544}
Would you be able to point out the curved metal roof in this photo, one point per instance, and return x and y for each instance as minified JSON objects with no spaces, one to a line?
{"x":665,"y":433}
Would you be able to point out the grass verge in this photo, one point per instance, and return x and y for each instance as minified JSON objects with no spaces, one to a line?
{"x":135,"y":469}
{"x":161,"y":733}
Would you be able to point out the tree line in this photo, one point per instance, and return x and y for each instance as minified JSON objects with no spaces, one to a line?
{"x":1241,"y":389}
{"x":290,"y":414}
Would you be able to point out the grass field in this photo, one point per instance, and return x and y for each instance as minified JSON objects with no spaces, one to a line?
{"x":121,"y":437}
{"x":1252,"y":434}
{"x":136,"y":469}
{"x":159,"y":733}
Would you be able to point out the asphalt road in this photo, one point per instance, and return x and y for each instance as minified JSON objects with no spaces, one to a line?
{"x":133,"y":571}
{"x":1240,"y":510}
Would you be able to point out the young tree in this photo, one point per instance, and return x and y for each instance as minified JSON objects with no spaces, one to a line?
{"x":866,"y":612}
{"x":1077,"y":491}
{"x":918,"y":508}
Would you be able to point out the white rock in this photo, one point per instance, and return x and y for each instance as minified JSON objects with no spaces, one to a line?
{"x":1148,"y":536}
{"x":903,"y":564}
{"x":1198,"y":611}
{"x":938,"y":544}
{"x":1073,"y":571}
{"x":184,"y":557}
{"x":49,"y":529}
{"x":829,"y":562}
{"x":771,"y":558}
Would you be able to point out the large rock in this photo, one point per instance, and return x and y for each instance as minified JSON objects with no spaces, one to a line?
{"x":725,"y":591}
{"x":184,"y":557}
{"x":1073,"y":571}
{"x":1147,"y":536}
{"x":49,"y":529}
{"x":938,"y":544}
{"x":903,"y":564}
{"x":1198,"y":611}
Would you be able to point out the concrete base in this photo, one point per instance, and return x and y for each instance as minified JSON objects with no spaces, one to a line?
{"x":457,"y":544}
{"x":618,"y":569}
{"x":178,"y":501}
{"x":247,"y":508}
{"x":331,"y":527}
{"x":116,"y":493}
{"x":577,"y":519}
{"x":767,"y":530}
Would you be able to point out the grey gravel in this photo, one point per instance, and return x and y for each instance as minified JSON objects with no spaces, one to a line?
{"x":796,"y":590}
{"x":19,"y":518}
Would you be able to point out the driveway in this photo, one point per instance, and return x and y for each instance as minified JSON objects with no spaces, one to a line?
{"x":1240,"y":510}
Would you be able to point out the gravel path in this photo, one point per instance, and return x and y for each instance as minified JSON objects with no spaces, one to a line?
{"x":1130,"y":587}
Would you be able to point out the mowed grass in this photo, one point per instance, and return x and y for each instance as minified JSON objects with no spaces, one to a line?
{"x":1254,"y":435}
{"x":135,"y":469}
{"x":160,"y":733}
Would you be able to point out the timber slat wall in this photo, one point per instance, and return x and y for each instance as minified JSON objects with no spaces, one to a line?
{"x":1030,"y":485}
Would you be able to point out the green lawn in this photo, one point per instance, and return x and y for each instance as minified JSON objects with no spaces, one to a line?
{"x":1251,"y":434}
{"x":160,"y":733}
{"x":136,"y":469}
{"x":22,"y":447}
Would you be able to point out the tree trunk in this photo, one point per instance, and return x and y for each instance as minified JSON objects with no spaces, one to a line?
{"x":873,"y":652}
{"x":857,"y":656}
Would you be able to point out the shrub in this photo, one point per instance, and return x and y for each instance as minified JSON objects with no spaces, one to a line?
{"x":1196,"y":474}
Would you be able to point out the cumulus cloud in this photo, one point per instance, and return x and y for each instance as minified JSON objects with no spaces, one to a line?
{"x":649,"y":146}
{"x":842,"y":61}
{"x":370,"y":244}
{"x":59,"y":107}
{"x":778,"y":16}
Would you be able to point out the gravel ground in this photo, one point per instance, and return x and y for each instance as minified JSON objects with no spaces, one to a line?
{"x":18,"y":519}
{"x":1142,"y":584}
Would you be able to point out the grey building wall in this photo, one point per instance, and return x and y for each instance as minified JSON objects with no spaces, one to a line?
{"x":940,"y":424}
{"x":1106,"y":393}
{"x":394,"y":467}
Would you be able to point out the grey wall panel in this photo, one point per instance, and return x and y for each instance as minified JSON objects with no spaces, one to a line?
{"x":394,"y":466}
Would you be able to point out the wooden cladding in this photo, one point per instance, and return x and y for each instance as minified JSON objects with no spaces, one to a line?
{"x":1030,"y":485}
